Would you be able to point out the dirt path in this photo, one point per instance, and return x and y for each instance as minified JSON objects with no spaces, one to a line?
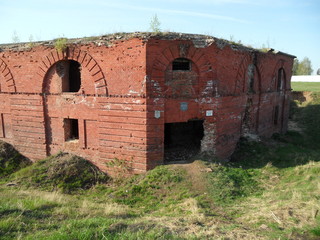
{"x":196,"y":174}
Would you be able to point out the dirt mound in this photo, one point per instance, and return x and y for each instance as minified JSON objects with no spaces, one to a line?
{"x":64,"y":171}
{"x":11,"y":160}
{"x":302,"y":96}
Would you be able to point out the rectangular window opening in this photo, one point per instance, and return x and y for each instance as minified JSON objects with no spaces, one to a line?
{"x":71,"y":129}
{"x":181,"y":64}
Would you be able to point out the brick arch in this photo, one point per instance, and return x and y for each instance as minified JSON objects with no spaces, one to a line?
{"x":188,"y":51}
{"x":279,"y":64}
{"x":240,"y":83}
{"x":7,"y":76}
{"x":260,"y":76}
{"x":83,"y":57}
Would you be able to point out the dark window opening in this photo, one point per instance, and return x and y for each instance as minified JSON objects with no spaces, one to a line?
{"x":251,"y":75}
{"x":276,"y":115}
{"x":181,"y":64}
{"x":182,"y":140}
{"x":74,"y":76}
{"x":280,"y":79}
{"x":72,"y":80}
{"x":71,"y":129}
{"x":251,"y":85}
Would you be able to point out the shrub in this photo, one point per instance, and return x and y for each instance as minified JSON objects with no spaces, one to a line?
{"x":61,"y":44}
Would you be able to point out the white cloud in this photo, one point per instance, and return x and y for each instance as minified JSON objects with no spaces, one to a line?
{"x":172,"y":11}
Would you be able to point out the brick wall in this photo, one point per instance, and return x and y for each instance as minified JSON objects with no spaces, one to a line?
{"x":129,"y":90}
{"x":109,"y":107}
{"x":238,"y":84}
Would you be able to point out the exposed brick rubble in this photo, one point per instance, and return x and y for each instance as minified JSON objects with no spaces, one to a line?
{"x":126,"y":99}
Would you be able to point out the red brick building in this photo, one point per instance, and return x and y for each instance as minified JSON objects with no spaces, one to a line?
{"x":134,"y":98}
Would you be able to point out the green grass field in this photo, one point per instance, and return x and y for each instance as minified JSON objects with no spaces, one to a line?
{"x":270,"y":190}
{"x":306,"y":86}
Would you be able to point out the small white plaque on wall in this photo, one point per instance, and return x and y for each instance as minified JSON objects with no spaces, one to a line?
{"x":209,"y":113}
{"x":157,"y":114}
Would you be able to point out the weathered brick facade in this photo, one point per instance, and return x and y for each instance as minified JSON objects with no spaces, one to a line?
{"x":112,"y":97}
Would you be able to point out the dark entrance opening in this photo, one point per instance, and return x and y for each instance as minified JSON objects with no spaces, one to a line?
{"x":182,"y":140}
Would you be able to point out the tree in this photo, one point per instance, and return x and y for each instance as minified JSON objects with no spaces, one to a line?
{"x":15,"y":37}
{"x":155,"y":24}
{"x":295,"y":66}
{"x":302,"y":68}
{"x":318,"y":72}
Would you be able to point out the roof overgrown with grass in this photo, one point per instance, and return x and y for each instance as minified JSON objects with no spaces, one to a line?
{"x":199,"y":41}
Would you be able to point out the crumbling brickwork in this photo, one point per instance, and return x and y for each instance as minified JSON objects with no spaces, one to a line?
{"x":114,"y":99}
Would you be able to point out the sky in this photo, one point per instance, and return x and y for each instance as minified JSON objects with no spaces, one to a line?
{"x":291,"y":26}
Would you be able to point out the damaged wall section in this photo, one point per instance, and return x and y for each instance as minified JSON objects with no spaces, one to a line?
{"x":234,"y":98}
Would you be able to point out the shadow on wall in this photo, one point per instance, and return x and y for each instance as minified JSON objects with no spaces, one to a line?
{"x":285,"y":150}
{"x":11,"y":160}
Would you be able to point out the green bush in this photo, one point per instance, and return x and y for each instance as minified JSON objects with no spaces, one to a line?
{"x":61,"y":44}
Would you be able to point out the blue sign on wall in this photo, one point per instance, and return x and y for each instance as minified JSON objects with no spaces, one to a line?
{"x":183,"y":106}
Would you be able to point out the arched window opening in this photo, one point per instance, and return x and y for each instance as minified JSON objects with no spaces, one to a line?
{"x":181,"y":64}
{"x":281,"y":79}
{"x":71,"y":77}
{"x":251,"y":84}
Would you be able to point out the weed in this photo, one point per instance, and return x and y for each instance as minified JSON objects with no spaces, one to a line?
{"x":61,"y":44}
{"x":155,"y":24}
{"x":122,"y":166}
{"x":316,"y":231}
